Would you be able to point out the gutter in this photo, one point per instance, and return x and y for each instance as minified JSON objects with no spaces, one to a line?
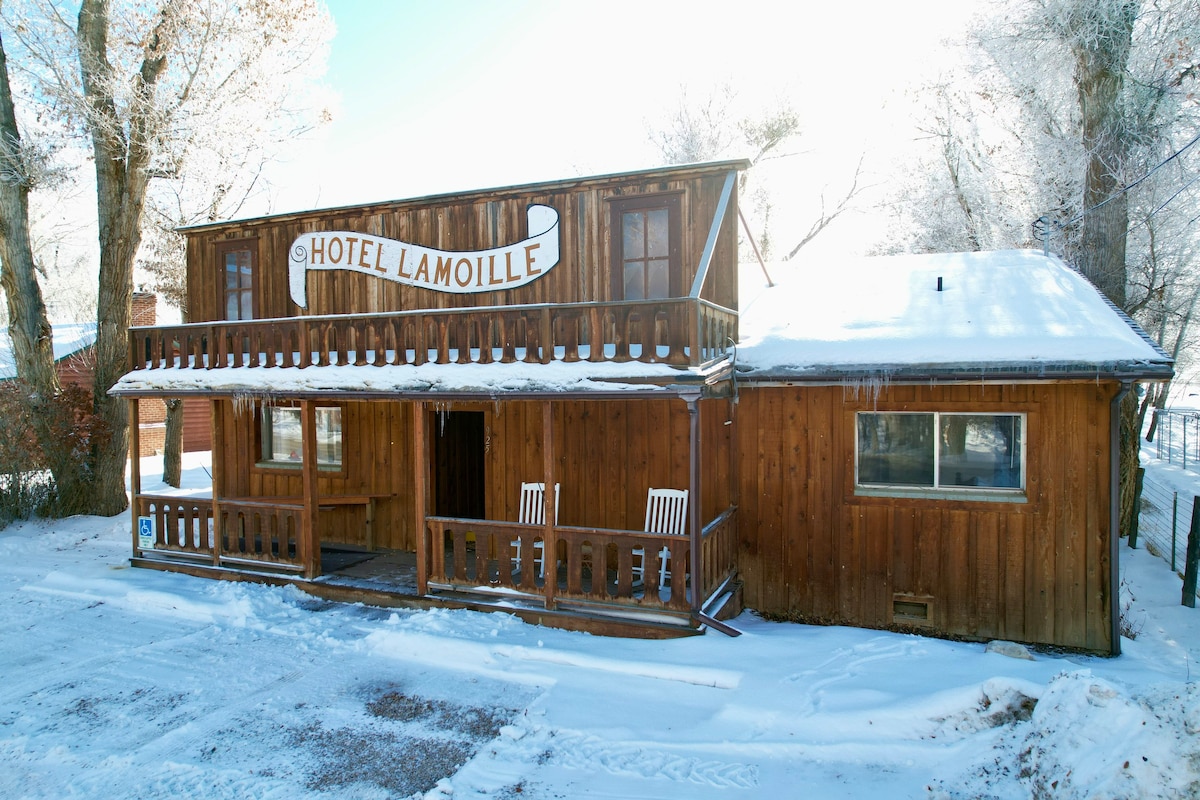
{"x":964,"y":375}
{"x":1114,"y":518}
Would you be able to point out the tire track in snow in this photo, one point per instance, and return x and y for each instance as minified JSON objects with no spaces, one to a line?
{"x":575,"y":750}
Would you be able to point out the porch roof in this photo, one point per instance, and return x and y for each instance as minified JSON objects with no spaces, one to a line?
{"x":1008,"y":315}
{"x":429,"y":382}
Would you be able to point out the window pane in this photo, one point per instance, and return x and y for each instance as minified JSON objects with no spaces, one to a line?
{"x":980,"y":450}
{"x":329,"y":436}
{"x":282,"y":425}
{"x":239,"y":285}
{"x":635,"y":286}
{"x":283,"y":438}
{"x":634,"y":235}
{"x":895,"y":449}
{"x":659,"y":279}
{"x":658,"y":233}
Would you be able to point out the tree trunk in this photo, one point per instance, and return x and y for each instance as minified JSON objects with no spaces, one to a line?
{"x":1130,"y":444}
{"x":122,"y":176}
{"x":1101,"y":35}
{"x":28,"y":326}
{"x":173,"y":443}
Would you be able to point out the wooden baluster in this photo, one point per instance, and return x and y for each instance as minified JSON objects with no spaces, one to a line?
{"x":570,"y":320}
{"x":487,"y":339}
{"x":596,"y":327}
{"x":462,"y":338}
{"x":547,"y":335}
{"x":508,"y":333}
{"x":621,"y":321}
{"x":341,"y":338}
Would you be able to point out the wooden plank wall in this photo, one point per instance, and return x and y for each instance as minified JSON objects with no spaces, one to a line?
{"x":377,"y":455}
{"x":1034,"y":572}
{"x":608,"y":454}
{"x":472,"y":221}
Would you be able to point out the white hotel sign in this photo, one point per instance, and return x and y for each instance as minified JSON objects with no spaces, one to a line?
{"x":457,"y":271}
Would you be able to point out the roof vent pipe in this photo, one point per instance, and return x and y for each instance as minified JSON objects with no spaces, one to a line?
{"x":939,"y":283}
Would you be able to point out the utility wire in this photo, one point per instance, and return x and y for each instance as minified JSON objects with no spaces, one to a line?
{"x":1140,"y":180}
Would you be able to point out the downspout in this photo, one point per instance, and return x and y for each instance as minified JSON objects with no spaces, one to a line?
{"x":1114,"y":517}
{"x":694,"y":519}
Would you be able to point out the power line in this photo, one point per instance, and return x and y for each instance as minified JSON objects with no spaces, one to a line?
{"x":1136,"y":183}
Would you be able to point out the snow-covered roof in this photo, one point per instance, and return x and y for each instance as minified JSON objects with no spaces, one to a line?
{"x":429,"y":380}
{"x":69,"y":338}
{"x":1003,"y":315}
{"x":1014,"y":312}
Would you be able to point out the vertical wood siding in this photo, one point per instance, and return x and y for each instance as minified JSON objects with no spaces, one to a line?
{"x":1037,"y":571}
{"x":472,"y":221}
{"x":607,"y":454}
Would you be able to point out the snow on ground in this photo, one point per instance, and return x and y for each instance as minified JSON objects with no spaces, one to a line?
{"x":129,"y":683}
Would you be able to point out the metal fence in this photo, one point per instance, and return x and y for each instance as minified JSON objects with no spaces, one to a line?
{"x":1163,"y":522}
{"x":1177,"y":437}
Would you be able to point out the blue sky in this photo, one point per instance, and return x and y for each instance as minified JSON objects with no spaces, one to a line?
{"x":461,"y":94}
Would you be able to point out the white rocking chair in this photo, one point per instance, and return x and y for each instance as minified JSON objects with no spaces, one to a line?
{"x":533,"y":512}
{"x":666,"y":512}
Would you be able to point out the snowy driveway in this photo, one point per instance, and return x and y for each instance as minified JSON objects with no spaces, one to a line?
{"x":125,"y":683}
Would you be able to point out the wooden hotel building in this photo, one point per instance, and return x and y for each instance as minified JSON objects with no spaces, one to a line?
{"x":393,"y":386}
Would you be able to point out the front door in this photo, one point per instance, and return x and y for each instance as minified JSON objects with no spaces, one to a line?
{"x":458,"y":483}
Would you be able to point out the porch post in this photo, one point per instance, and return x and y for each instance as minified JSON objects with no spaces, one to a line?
{"x":692,"y":399}
{"x":217,"y":475}
{"x":308,"y":551}
{"x":420,"y":469}
{"x":549,"y":500}
{"x":135,"y":469}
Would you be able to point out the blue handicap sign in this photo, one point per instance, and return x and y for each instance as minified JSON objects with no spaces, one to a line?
{"x":146,"y":532}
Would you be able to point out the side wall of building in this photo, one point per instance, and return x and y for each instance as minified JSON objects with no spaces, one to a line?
{"x":1037,"y":571}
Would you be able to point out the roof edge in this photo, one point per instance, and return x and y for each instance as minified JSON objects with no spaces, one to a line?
{"x":702,"y":166}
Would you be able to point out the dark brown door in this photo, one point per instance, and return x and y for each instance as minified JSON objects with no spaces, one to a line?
{"x":458,"y":463}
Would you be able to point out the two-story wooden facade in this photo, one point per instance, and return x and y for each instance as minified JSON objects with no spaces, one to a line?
{"x":384,"y":379}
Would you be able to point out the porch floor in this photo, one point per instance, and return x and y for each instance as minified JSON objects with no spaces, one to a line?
{"x":392,"y":571}
{"x":388,"y":579}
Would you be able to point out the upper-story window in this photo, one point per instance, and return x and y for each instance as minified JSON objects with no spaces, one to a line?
{"x":237,"y":260}
{"x":646,"y":248}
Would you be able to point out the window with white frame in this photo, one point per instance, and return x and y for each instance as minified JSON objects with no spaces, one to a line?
{"x":283,"y":441}
{"x":923,"y":452}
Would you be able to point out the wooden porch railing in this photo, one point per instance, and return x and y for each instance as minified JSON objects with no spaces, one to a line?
{"x":266,"y":533}
{"x":681,"y":332}
{"x":718,"y":552}
{"x":587,"y":566}
{"x":181,"y":524}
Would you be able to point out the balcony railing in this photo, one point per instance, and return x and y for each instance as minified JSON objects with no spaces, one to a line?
{"x":680,"y":332}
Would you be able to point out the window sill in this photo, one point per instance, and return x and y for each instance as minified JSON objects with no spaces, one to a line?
{"x":296,"y":466}
{"x":968,"y":495}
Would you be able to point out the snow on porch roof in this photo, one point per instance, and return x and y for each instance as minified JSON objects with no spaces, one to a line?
{"x":427,"y":381}
{"x":1013,"y":312}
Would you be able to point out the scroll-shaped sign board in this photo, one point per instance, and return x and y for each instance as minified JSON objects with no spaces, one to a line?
{"x":457,"y":271}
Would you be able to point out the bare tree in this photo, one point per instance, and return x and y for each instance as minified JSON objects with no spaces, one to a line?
{"x":711,"y":127}
{"x":23,"y":167}
{"x":1084,"y":99}
{"x":158,"y":89}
